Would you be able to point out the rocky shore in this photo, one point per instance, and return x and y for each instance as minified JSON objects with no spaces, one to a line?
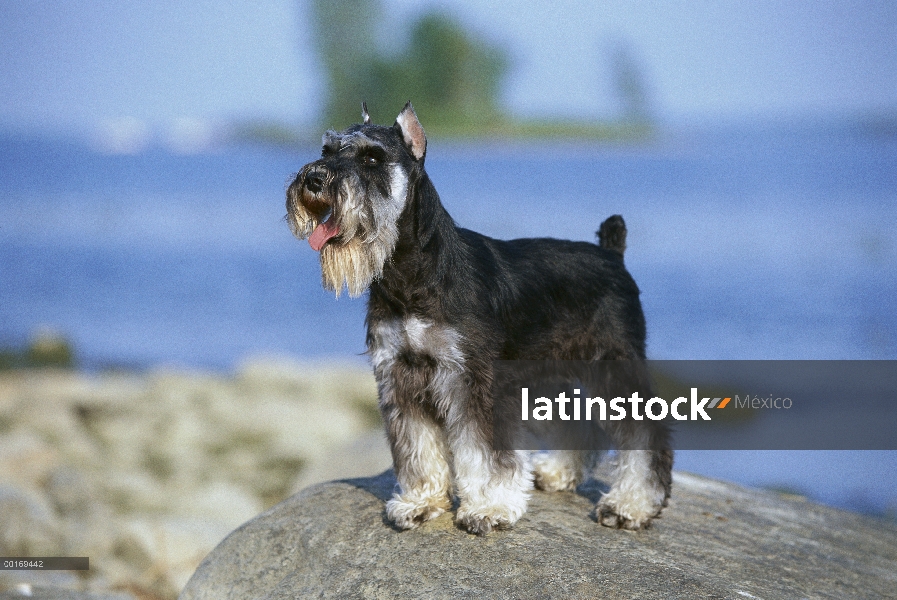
{"x":161,"y":476}
{"x":146,"y":473}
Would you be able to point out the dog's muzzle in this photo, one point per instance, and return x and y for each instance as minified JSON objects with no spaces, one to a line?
{"x":314,"y":182}
{"x":311,"y":190}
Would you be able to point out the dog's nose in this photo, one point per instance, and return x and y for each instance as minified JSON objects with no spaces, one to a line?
{"x":314,"y":183}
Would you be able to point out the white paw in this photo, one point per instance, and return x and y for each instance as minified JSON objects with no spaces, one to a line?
{"x":628,"y":511}
{"x":407,"y":513}
{"x":480,"y":520}
{"x":552,"y":473}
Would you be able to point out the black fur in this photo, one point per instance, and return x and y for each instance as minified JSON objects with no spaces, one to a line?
{"x":523,"y":299}
{"x":612,"y":235}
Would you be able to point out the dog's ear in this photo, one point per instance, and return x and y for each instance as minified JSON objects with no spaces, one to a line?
{"x":412,"y":131}
{"x":365,"y":117}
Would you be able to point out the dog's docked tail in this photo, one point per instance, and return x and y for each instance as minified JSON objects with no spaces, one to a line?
{"x":612,"y":235}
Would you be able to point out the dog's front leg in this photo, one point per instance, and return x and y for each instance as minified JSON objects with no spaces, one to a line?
{"x":419,"y":458}
{"x":493,"y":486}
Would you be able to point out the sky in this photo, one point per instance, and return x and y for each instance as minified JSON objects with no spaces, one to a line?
{"x":78,"y":65}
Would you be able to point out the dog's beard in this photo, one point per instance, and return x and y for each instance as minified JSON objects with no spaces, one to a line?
{"x":358,"y":260}
{"x":301,"y":222}
{"x":354,"y":263}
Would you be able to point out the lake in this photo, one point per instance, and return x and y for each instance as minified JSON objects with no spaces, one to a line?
{"x":748,"y":242}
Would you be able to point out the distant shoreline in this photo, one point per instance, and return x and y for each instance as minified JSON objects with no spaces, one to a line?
{"x":279,"y":135}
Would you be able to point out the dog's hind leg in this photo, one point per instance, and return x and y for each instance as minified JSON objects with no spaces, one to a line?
{"x":642,"y":478}
{"x":557,"y":470}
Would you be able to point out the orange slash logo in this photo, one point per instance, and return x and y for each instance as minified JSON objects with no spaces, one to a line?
{"x":722,"y":404}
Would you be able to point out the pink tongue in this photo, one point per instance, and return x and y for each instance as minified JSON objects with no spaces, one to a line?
{"x":323,"y":232}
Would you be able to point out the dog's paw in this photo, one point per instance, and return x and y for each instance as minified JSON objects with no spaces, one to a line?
{"x":550,"y":479}
{"x":482,"y":520}
{"x":554,"y":481}
{"x":630,"y":515}
{"x":406,"y":513}
{"x":481,"y":524}
{"x":556,"y":471}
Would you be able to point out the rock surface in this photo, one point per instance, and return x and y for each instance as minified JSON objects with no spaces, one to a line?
{"x":715,"y":540}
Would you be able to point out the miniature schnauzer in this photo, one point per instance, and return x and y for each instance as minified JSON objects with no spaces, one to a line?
{"x":444,"y":304}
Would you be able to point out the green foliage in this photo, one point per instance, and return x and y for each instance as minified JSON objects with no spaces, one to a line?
{"x":630,"y":85}
{"x":269,"y":133}
{"x":452,"y":78}
{"x":9,"y":359}
{"x":49,"y":349}
{"x":345,"y":39}
{"x":46,"y":348}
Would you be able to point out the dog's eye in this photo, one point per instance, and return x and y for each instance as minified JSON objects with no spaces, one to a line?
{"x":370,"y":160}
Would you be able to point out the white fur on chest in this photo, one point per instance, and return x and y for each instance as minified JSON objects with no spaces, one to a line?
{"x":417,"y":336}
{"x":422,"y":337}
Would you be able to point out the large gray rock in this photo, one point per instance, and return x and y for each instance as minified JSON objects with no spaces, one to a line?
{"x":715,"y":540}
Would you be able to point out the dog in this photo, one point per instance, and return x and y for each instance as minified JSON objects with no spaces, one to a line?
{"x":444,"y":303}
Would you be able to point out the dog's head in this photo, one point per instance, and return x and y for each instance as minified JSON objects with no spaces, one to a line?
{"x":348,"y":202}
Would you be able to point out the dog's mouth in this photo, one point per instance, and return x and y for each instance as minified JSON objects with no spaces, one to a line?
{"x":325,"y":230}
{"x":315,"y":198}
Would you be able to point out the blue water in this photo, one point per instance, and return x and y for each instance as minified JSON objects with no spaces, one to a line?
{"x":747,"y":242}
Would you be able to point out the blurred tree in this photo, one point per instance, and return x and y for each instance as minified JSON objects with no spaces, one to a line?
{"x":452,"y":78}
{"x":345,"y":41}
{"x":630,"y":85}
